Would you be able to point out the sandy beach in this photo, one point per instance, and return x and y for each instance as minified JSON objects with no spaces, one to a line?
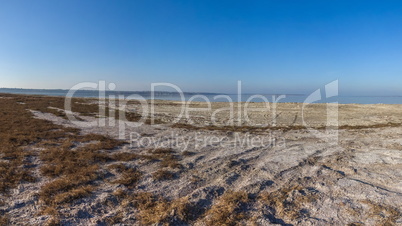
{"x":288,"y":165}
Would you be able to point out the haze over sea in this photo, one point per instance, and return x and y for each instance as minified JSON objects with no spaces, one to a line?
{"x":175,"y":96}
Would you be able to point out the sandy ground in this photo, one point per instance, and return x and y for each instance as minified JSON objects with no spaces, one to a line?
{"x":354,"y":173}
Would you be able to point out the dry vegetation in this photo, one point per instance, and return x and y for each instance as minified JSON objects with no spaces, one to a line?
{"x":152,"y":209}
{"x":163,"y":175}
{"x":386,"y":215}
{"x":18,"y":132}
{"x":159,"y":210}
{"x":72,"y":169}
{"x":288,"y":202}
{"x":166,"y":157}
{"x":129,"y":176}
{"x":74,"y":166}
{"x":259,"y":129}
{"x":229,"y":209}
{"x":3,"y":220}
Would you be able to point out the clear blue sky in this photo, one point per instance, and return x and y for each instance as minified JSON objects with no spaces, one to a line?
{"x":206,"y":45}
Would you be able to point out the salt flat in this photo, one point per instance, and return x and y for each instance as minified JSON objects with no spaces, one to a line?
{"x":293,"y":168}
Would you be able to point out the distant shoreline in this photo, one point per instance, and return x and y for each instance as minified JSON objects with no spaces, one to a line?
{"x":175,"y":96}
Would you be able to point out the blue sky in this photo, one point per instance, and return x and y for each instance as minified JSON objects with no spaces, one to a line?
{"x":272,"y":46}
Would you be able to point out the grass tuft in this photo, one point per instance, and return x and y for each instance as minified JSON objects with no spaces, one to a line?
{"x":163,"y":175}
{"x":129,"y":176}
{"x":156,"y":210}
{"x":289,"y":201}
{"x":228,"y":210}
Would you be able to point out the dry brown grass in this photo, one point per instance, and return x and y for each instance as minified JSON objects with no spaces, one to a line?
{"x":161,"y":151}
{"x":288,"y":201}
{"x":171,"y":161}
{"x":73,"y":194}
{"x":241,"y":129}
{"x":187,"y":153}
{"x":120,"y":193}
{"x":83,"y":106}
{"x":4,"y":220}
{"x":68,"y":188}
{"x":115,"y":219}
{"x":18,"y":131}
{"x":166,"y":157}
{"x":355,"y":224}
{"x":72,"y":161}
{"x":53,"y":221}
{"x":72,"y":168}
{"x":67,"y":162}
{"x":256,"y":129}
{"x":157,"y":210}
{"x":384,"y":214}
{"x":49,"y":211}
{"x":229,"y":209}
{"x":12,"y":173}
{"x":76,"y":168}
{"x":129,"y":176}
{"x":162,"y":174}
